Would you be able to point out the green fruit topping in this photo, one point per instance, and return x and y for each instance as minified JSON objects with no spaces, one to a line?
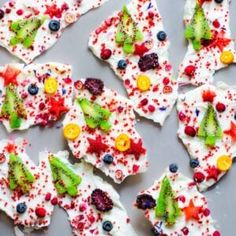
{"x":95,"y":115}
{"x":66,"y":181}
{"x":167,"y":205}
{"x":13,"y":107}
{"x":210,"y":129}
{"x":198,"y":29}
{"x":25,"y":31}
{"x":128,"y":33}
{"x":19,"y":176}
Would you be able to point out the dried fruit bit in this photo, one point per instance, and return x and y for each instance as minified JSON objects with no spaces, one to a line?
{"x":128,"y":32}
{"x":148,"y":62}
{"x":40,"y":212}
{"x":210,"y":129}
{"x":66,"y":181}
{"x":101,"y":200}
{"x":224,"y":163}
{"x":227,"y":57}
{"x":189,"y":70}
{"x":122,"y":142}
{"x":145,"y":201}
{"x":71,"y":131}
{"x":19,"y":176}
{"x":143,"y":83}
{"x":105,"y":53}
{"x":50,"y":86}
{"x":220,"y":107}
{"x":167,"y":205}
{"x":198,"y":29}
{"x":190,"y":131}
{"x":94,"y":86}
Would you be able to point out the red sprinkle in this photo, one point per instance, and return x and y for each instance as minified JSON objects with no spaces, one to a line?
{"x":151,"y":108}
{"x":19,"y":12}
{"x":216,"y":233}
{"x":105,"y":54}
{"x":216,"y":23}
{"x":144,"y":102}
{"x":220,"y":107}
{"x":199,"y":177}
{"x":48,"y":197}
{"x":190,"y":70}
{"x":54,"y":201}
{"x":166,"y":81}
{"x":41,"y":106}
{"x":40,"y":212}
{"x":185,"y":231}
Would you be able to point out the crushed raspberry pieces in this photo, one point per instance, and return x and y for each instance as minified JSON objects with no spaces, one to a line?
{"x":48,"y":197}
{"x":216,"y":233}
{"x":181,"y":116}
{"x":190,"y":70}
{"x":166,"y":81}
{"x":185,"y":231}
{"x":199,"y":177}
{"x":40,"y":212}
{"x":144,"y":102}
{"x":54,"y":201}
{"x":190,"y":131}
{"x":19,"y":12}
{"x":151,"y":108}
{"x":216,"y":23}
{"x":208,"y":96}
{"x":206,"y":212}
{"x":220,"y":107}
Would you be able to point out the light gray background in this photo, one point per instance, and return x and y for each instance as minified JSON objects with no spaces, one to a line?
{"x":162,"y":143}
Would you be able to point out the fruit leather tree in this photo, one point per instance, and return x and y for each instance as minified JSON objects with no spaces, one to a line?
{"x":92,"y":205}
{"x":100,"y":127}
{"x":34,"y":95}
{"x":24,"y":186}
{"x":211,"y":47}
{"x":207,"y":127}
{"x":175,"y":207}
{"x":30,"y":27}
{"x":135,"y":45}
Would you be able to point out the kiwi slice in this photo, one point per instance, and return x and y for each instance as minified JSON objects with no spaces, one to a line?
{"x":198,"y":29}
{"x":13,"y":107}
{"x":210,"y":129}
{"x":167,"y":205}
{"x":66,"y":181}
{"x":19,"y":176}
{"x":95,"y":115}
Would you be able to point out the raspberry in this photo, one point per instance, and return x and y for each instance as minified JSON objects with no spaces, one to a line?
{"x":101,"y":200}
{"x":145,"y":201}
{"x":94,"y":86}
{"x":148,"y":62}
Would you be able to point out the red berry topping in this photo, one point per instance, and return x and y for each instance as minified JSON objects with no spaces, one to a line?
{"x":190,"y":70}
{"x":208,"y":96}
{"x":206,"y":212}
{"x":182,"y":116}
{"x":94,"y":86}
{"x":216,"y":233}
{"x":166,"y":81}
{"x":220,"y":107}
{"x":19,"y":12}
{"x":190,"y":131}
{"x":105,"y":54}
{"x":216,"y":23}
{"x":41,"y":106}
{"x":40,"y":212}
{"x":101,"y":200}
{"x":185,"y":231}
{"x":54,"y":201}
{"x":48,"y":197}
{"x":151,"y":108}
{"x":199,"y":177}
{"x":144,"y":102}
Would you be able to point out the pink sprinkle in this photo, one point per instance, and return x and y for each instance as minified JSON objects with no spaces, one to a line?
{"x":20,"y":12}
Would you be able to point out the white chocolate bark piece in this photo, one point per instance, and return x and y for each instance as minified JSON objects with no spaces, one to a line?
{"x":28,"y":40}
{"x":207,"y":129}
{"x":216,"y":50}
{"x":36,"y":94}
{"x":137,"y":51}
{"x":34,"y":199}
{"x":174,"y":206}
{"x":103,"y":131}
{"x":83,"y":213}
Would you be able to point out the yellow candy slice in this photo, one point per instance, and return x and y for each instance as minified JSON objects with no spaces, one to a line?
{"x":224,"y":163}
{"x":50,"y":85}
{"x":122,"y":142}
{"x":143,"y":83}
{"x":71,"y":131}
{"x":227,"y":57}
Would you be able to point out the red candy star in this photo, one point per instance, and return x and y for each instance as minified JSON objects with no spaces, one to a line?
{"x":10,"y":148}
{"x":96,"y":145}
{"x":57,"y":107}
{"x":219,"y":40}
{"x":191,"y":211}
{"x":53,"y":11}
{"x":141,"y":49}
{"x":213,"y":173}
{"x":136,"y":149}
{"x":208,"y":96}
{"x":10,"y":75}
{"x":231,"y":132}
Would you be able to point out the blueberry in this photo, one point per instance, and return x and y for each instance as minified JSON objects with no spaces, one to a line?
{"x":21,"y":208}
{"x":122,"y":64}
{"x":161,"y":36}
{"x":33,"y":89}
{"x":194,"y":163}
{"x":173,"y":168}
{"x":219,"y":1}
{"x":1,"y":14}
{"x":54,"y":25}
{"x":108,"y":159}
{"x":107,"y":226}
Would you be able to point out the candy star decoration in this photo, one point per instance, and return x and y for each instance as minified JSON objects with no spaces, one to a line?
{"x":29,"y":28}
{"x":174,"y":206}
{"x":100,"y":128}
{"x":34,"y":95}
{"x":207,"y":129}
{"x":211,"y":46}
{"x":133,"y":42}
